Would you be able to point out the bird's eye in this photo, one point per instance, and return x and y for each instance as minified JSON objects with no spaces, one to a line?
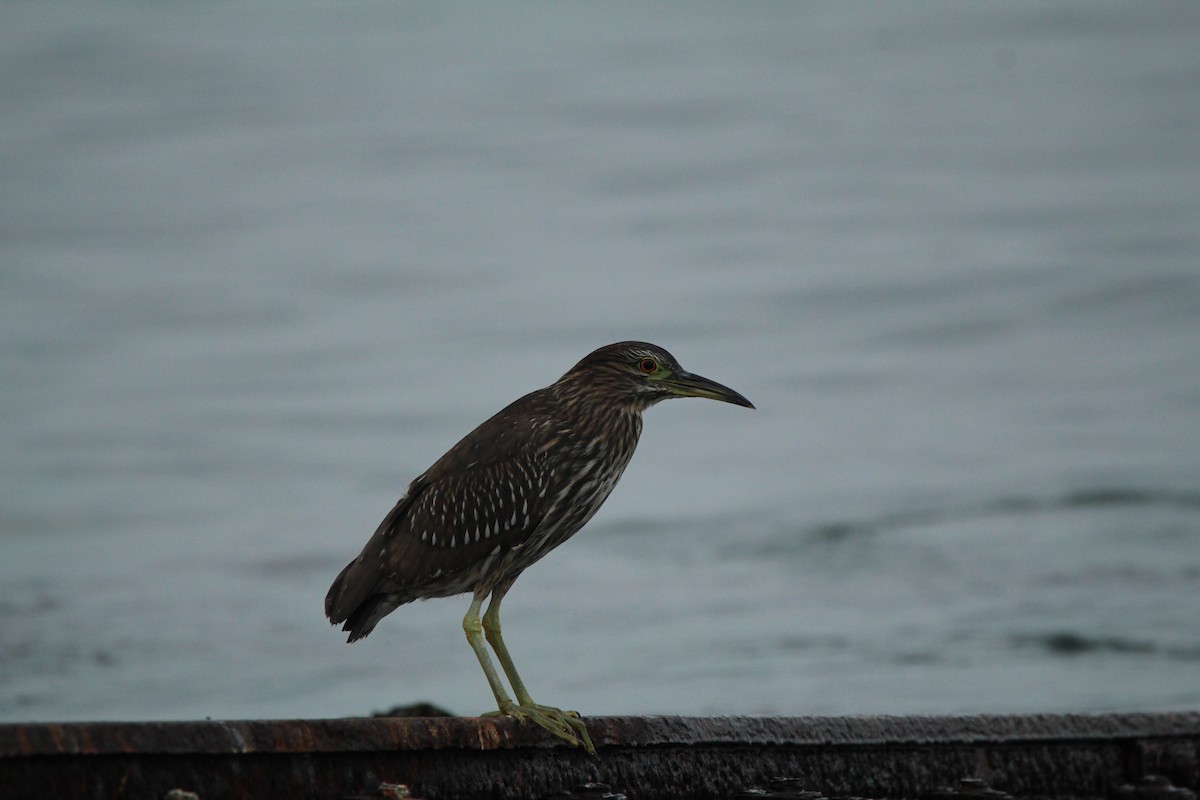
{"x":648,"y":365}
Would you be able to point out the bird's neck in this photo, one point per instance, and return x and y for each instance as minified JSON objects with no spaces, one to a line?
{"x":619,"y":424}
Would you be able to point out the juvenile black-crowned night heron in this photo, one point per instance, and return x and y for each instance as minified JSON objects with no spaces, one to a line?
{"x":511,"y":491}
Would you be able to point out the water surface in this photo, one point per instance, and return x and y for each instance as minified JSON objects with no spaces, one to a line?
{"x":261,"y":265}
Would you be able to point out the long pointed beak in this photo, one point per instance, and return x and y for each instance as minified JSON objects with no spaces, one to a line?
{"x":685,"y":384}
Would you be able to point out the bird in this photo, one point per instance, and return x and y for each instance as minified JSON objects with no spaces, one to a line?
{"x":504,"y":496}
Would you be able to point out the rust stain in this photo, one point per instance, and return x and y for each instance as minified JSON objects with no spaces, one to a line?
{"x":56,"y":737}
{"x":86,"y":745}
{"x":489,"y":736}
{"x":24,"y":745}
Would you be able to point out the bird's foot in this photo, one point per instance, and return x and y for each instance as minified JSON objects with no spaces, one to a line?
{"x":566,"y":725}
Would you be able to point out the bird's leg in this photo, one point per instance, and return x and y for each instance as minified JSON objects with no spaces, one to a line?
{"x":565,"y":725}
{"x":474,"y":631}
{"x":491,"y":629}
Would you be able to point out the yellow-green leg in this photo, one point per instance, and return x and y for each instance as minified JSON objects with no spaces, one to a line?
{"x":474,"y":631}
{"x":566,"y":725}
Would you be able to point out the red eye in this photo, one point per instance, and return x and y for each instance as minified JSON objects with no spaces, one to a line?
{"x":648,"y":365}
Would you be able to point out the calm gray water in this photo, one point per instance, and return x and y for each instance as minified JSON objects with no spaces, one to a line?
{"x":261,"y":264}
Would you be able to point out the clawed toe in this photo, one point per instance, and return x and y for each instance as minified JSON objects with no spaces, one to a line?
{"x":566,"y":725}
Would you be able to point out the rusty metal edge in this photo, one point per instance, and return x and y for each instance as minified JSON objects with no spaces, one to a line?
{"x":378,"y":735}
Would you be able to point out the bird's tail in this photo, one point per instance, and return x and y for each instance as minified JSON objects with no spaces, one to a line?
{"x":347,"y":603}
{"x":359,"y":597}
{"x":354,"y":602}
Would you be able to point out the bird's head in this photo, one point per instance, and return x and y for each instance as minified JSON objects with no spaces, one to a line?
{"x":641,"y":374}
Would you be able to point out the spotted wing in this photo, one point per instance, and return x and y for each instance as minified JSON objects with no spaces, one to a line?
{"x":489,"y":493}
